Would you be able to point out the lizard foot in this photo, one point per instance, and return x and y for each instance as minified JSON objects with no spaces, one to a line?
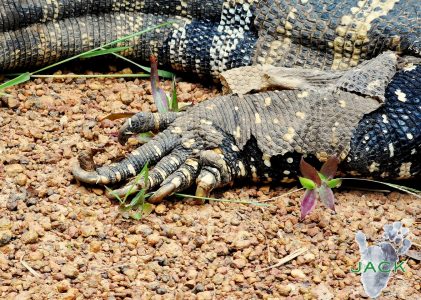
{"x":185,"y":153}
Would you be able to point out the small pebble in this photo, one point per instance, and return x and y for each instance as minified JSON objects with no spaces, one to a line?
{"x":30,"y":237}
{"x":69,"y":271}
{"x":297,"y":273}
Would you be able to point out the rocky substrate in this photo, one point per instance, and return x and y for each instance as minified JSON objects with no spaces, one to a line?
{"x":61,"y":240}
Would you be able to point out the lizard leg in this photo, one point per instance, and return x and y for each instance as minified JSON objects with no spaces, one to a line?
{"x":165,"y":167}
{"x":181,"y":179}
{"x":144,"y":122}
{"x":149,"y":153}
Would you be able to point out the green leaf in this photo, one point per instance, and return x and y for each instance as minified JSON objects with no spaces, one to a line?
{"x":307,"y":183}
{"x":147,"y":208}
{"x":104,"y":52}
{"x":138,"y":199}
{"x":333,"y":183}
{"x":137,"y":216}
{"x":15,"y":81}
{"x":143,"y":172}
{"x":161,"y":73}
{"x":174,"y":103}
{"x":145,"y":137}
{"x":114,"y":194}
{"x":322,"y":177}
{"x":145,"y":211}
{"x":123,"y":207}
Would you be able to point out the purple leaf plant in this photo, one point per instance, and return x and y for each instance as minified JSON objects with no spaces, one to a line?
{"x":318,"y":185}
{"x":158,"y":93}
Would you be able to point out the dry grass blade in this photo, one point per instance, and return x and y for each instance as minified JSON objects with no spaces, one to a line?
{"x":285,"y":259}
{"x":283,"y":195}
{"x":105,"y":52}
{"x":116,"y":116}
{"x":222,"y":200}
{"x":29,"y":268}
{"x":65,"y":76}
{"x":408,"y":190}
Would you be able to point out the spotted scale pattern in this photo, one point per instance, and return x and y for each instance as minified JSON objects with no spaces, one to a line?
{"x":212,"y":36}
{"x":387,"y":142}
{"x":262,"y":137}
{"x":18,"y":14}
{"x":334,"y":34}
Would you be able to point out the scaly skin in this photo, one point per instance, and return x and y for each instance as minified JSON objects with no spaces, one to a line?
{"x":263,"y":136}
{"x":210,"y":37}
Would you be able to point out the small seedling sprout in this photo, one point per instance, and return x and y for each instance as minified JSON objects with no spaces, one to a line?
{"x":320,"y":185}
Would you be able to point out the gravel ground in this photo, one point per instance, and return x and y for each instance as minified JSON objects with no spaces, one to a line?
{"x":60,"y":240}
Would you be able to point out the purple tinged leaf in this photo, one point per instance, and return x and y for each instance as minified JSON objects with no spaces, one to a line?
{"x":308,"y":203}
{"x":159,"y":96}
{"x":326,"y":196}
{"x":309,"y":172}
{"x":330,"y":167}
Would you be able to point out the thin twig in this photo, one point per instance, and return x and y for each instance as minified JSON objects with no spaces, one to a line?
{"x":283,"y":195}
{"x":29,"y":268}
{"x":284,"y":259}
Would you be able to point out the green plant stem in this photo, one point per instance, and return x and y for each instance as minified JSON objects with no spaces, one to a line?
{"x":92,"y":76}
{"x":411,"y":191}
{"x":26,"y":76}
{"x":161,"y":73}
{"x":127,"y":37}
